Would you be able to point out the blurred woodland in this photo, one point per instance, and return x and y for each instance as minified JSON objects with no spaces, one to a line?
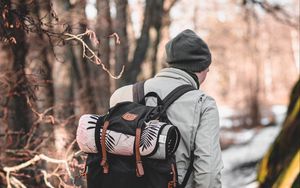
{"x":60,"y":59}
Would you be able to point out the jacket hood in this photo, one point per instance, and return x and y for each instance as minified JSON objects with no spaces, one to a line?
{"x":178,"y":74}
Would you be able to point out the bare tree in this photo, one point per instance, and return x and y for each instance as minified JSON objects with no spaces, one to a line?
{"x":152,"y":8}
{"x":277,"y":12}
{"x":254,"y":85}
{"x":120,"y":27}
{"x":19,"y":113}
{"x":81,"y":67}
{"x":39,"y":62}
{"x":154,"y":33}
{"x":63,"y":83}
{"x":157,"y":24}
{"x":101,"y":79}
{"x":164,"y":34}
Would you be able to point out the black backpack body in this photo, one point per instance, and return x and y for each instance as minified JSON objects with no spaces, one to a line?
{"x":139,"y":166}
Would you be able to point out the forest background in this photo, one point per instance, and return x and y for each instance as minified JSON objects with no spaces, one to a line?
{"x":61,"y":59}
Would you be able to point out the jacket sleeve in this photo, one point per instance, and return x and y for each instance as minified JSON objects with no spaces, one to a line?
{"x":208,"y":162}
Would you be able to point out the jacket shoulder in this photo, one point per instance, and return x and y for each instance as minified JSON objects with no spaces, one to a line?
{"x":203,"y":99}
{"x":209,"y":101}
{"x":198,"y":95}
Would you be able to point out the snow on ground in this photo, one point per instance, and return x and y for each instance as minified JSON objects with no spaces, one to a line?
{"x":240,"y":160}
{"x":280,"y":112}
{"x":246,"y":147}
{"x":227,"y":113}
{"x":241,"y":137}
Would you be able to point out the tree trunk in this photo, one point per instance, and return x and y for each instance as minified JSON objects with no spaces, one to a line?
{"x":41,"y":66}
{"x":101,"y":78}
{"x":165,"y":33}
{"x":6,"y":60}
{"x":63,"y":87}
{"x":254,"y":59}
{"x":81,"y":67}
{"x":122,"y":49}
{"x":142,"y":45}
{"x":157,"y":23}
{"x":19,"y":115}
{"x":152,"y":17}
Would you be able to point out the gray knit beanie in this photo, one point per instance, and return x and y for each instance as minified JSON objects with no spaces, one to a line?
{"x":188,"y":51}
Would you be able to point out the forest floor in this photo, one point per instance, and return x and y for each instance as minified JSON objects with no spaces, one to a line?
{"x":241,"y":160}
{"x":242,"y":150}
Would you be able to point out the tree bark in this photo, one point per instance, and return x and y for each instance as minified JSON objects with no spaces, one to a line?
{"x":157,"y":23}
{"x":81,"y":67}
{"x":165,"y":33}
{"x":152,"y":18}
{"x":19,"y":115}
{"x":122,"y":49}
{"x":40,"y":65}
{"x":63,"y":86}
{"x":142,"y":45}
{"x":103,"y":30}
{"x":254,"y":60}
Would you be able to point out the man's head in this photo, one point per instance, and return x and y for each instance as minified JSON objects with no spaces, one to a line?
{"x":188,"y":51}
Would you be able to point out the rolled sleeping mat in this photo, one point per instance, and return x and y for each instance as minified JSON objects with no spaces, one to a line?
{"x":164,"y":142}
{"x":85,"y":135}
{"x":159,"y":140}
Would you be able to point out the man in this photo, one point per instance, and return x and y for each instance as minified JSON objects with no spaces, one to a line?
{"x":195,"y":114}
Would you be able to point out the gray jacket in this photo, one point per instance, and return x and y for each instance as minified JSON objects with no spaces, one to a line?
{"x":196,"y":116}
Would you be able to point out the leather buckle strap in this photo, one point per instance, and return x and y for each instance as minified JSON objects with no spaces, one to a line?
{"x":139,"y":163}
{"x":172,"y":184}
{"x":104,"y":162}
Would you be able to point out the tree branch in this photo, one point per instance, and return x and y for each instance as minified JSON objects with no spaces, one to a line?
{"x":276,"y":11}
{"x":87,"y":50}
{"x":12,"y":180}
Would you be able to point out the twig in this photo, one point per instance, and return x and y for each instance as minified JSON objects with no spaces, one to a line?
{"x":69,"y":148}
{"x":117,"y":38}
{"x":17,"y":183}
{"x":45,"y":178}
{"x":93,"y":57}
{"x":76,"y":154}
{"x":36,"y":158}
{"x":42,"y":143}
{"x":277,"y":12}
{"x":12,"y":133}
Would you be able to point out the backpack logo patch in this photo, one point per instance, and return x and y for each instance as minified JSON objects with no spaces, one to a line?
{"x":129,"y":116}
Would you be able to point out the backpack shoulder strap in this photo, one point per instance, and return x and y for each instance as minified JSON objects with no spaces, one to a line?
{"x":138,"y":91}
{"x":175,"y":94}
{"x":188,"y":172}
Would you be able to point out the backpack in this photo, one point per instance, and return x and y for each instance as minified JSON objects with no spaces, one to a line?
{"x":133,"y":145}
